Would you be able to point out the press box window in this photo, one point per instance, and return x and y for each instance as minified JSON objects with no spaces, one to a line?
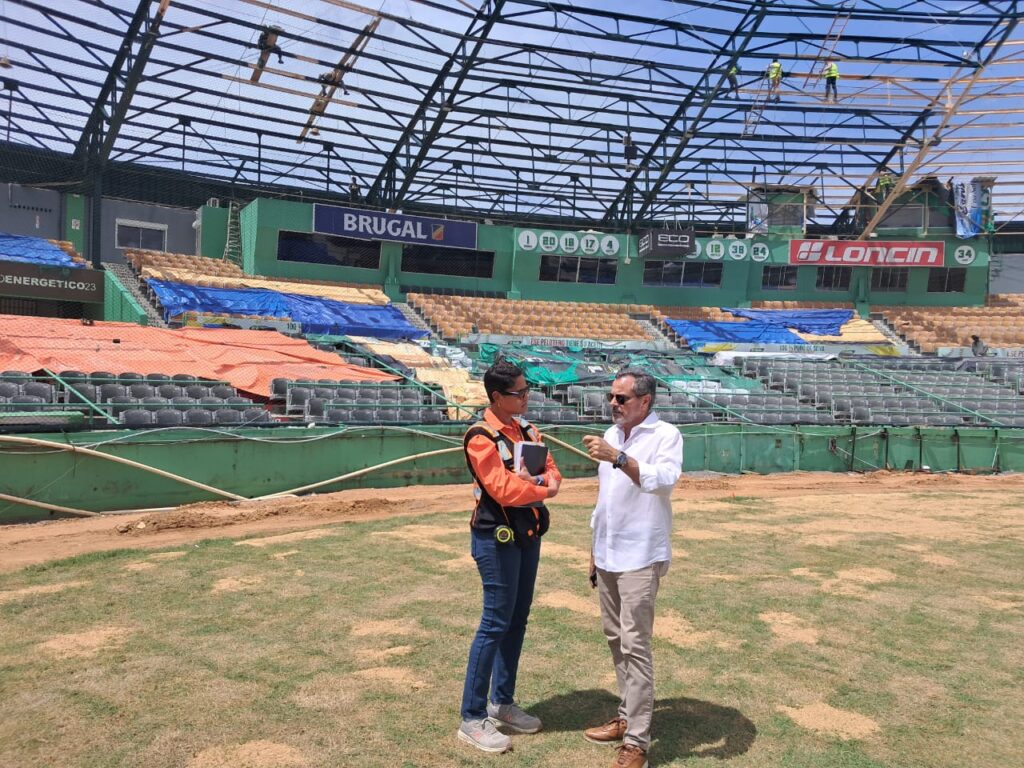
{"x":140,"y":235}
{"x":316,"y":248}
{"x":778,"y":278}
{"x":692,"y":274}
{"x":576,"y":269}
{"x":946,"y":279}
{"x":889,"y":279}
{"x":833,"y":279}
{"x":457,"y":262}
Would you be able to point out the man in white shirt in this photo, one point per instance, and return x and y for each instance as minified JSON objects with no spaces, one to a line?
{"x":641,"y":460}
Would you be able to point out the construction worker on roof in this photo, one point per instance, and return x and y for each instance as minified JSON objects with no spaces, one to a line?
{"x":734,"y":83}
{"x":885,"y":184}
{"x":831,"y":75}
{"x":774,"y":74}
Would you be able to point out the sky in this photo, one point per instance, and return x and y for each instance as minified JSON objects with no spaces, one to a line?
{"x":538,"y":131}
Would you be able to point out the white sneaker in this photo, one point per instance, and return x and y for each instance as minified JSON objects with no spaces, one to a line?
{"x":484,"y":736}
{"x":513,"y":718}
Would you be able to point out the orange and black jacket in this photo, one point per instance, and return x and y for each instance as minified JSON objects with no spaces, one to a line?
{"x":502,"y":497}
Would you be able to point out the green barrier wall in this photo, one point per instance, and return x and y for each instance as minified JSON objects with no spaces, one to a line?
{"x":118,"y":304}
{"x":256,"y":462}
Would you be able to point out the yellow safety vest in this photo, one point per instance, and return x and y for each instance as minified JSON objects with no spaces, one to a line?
{"x":774,"y":70}
{"x":832,"y":70}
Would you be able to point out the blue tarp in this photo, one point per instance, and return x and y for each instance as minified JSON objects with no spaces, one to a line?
{"x":698,"y":333}
{"x":820,"y":322}
{"x":314,"y":314}
{"x":34,"y":250}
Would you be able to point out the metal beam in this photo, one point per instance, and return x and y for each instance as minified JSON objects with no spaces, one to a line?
{"x":101,"y":132}
{"x":383,"y":188}
{"x":747,"y":27}
{"x":1009,"y":22}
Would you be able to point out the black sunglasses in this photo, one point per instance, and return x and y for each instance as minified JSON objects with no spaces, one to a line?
{"x":620,"y":399}
{"x":518,"y":393}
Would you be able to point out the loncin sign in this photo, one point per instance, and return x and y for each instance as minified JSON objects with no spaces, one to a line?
{"x":868,"y":254}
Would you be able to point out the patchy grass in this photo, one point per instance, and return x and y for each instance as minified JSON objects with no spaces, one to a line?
{"x":788,"y":637}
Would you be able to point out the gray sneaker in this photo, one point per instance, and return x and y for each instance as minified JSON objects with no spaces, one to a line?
{"x":513,"y":718}
{"x":483,"y":735}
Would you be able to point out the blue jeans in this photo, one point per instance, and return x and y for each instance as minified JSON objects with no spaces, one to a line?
{"x":508,"y":573}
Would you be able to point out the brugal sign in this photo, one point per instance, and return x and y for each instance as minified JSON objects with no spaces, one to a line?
{"x":31,"y":281}
{"x":375,"y":225}
{"x":667,"y":243}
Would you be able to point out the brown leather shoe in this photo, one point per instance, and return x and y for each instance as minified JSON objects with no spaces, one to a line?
{"x":630,"y":756}
{"x":609,"y":733}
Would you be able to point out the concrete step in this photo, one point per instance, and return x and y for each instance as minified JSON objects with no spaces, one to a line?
{"x":130,"y":281}
{"x":414,"y":317}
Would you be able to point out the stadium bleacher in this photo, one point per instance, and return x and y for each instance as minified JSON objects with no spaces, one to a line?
{"x":36,"y":250}
{"x":1000,"y":323}
{"x":456,"y":316}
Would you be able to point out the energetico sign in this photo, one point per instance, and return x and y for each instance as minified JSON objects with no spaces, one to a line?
{"x":559,"y":242}
{"x":380,"y":225}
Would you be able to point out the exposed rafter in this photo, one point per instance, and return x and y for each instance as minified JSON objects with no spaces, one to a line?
{"x":384,"y":186}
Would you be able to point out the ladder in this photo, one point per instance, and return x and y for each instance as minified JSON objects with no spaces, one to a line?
{"x":233,"y":242}
{"x":753,"y":118}
{"x":828,"y":47}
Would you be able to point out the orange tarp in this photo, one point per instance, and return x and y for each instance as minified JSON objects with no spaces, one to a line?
{"x":248,"y":360}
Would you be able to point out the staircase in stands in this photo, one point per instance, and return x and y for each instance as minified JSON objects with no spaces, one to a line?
{"x":130,"y":281}
{"x":413,"y":317}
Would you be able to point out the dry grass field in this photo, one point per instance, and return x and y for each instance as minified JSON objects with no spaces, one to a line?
{"x":824,"y":621}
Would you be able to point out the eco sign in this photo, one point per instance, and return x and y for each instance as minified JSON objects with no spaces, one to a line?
{"x":569,"y":243}
{"x":870,"y":254}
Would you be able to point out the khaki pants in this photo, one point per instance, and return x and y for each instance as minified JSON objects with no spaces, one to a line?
{"x":627,"y":617}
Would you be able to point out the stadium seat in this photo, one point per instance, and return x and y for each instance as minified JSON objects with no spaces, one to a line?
{"x":129,"y":377}
{"x":256,"y":416}
{"x":337,"y":415}
{"x":316,"y":407}
{"x":228,"y":417}
{"x":197,"y":391}
{"x":121,"y":403}
{"x":198,"y":418}
{"x":184,"y":403}
{"x":169,"y":391}
{"x":156,"y":379}
{"x":9,"y":389}
{"x":137,"y":418}
{"x":141,"y":390}
{"x":223,"y":391}
{"x":168,"y":417}
{"x":102,"y":377}
{"x":27,"y":403}
{"x":238,"y":403}
{"x":211,"y":403}
{"x":16,"y":376}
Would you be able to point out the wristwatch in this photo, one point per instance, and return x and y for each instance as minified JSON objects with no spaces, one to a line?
{"x":620,"y":460}
{"x":539,"y":479}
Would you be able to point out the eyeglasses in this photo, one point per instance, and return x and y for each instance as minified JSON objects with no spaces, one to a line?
{"x":520,"y":393}
{"x":620,"y":399}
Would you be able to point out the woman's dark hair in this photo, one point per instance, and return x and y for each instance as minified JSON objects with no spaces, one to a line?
{"x":500,"y":377}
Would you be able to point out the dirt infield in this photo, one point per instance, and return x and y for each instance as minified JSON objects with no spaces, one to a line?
{"x":28,"y":544}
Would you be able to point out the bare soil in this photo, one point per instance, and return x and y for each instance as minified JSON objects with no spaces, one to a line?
{"x":28,"y":544}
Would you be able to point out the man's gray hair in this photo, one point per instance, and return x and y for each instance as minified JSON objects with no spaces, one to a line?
{"x":643,"y":382}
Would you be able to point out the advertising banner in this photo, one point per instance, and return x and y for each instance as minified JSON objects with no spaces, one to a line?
{"x":377,"y":225}
{"x":875,"y":253}
{"x":972,"y":201}
{"x":59,"y":283}
{"x":667,"y":243}
{"x":563,"y":243}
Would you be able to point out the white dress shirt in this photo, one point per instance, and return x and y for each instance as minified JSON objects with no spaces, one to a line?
{"x":632,"y":523}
